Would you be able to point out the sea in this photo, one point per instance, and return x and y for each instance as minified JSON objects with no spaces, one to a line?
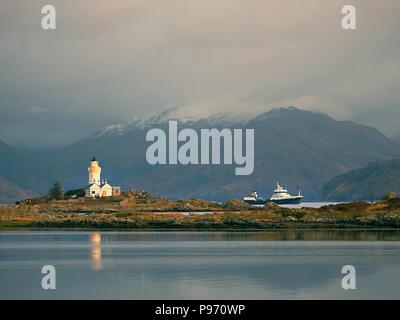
{"x":290,"y":264}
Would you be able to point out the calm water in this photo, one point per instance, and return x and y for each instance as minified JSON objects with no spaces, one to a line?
{"x":309,"y":205}
{"x":304,"y":205}
{"x":200,"y":265}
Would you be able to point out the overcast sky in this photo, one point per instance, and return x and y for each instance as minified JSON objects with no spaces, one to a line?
{"x":108,"y":61}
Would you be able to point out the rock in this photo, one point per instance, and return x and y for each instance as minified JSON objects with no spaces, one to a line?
{"x":235,"y":204}
{"x":390,"y":195}
{"x":271,"y":206}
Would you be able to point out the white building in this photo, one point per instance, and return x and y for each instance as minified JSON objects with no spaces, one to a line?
{"x":98,"y":188}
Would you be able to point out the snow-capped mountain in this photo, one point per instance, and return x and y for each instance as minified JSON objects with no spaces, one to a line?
{"x":181,"y":114}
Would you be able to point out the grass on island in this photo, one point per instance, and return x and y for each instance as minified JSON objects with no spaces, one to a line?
{"x":142,"y":211}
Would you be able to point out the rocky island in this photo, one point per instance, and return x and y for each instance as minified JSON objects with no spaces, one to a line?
{"x":135,"y":210}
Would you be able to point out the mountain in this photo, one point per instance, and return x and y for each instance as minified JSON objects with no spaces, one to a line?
{"x":9,"y":192}
{"x":369,"y":183}
{"x":396,"y":137}
{"x":301,"y":149}
{"x":17,"y":178}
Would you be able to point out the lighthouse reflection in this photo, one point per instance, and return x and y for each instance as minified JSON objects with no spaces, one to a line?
{"x":95,"y":251}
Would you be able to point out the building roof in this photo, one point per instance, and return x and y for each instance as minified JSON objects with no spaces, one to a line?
{"x":93,"y":184}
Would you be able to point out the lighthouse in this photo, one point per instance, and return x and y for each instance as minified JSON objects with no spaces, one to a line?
{"x":94,"y":172}
{"x":98,"y":188}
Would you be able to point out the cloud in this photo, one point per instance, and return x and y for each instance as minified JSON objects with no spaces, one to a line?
{"x":112,"y":60}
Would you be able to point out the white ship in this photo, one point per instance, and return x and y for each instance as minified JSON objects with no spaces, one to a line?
{"x":282,"y":196}
{"x":253,"y":198}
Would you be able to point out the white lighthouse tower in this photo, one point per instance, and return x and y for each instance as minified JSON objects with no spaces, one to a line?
{"x":96,"y":187}
{"x":94,"y":172}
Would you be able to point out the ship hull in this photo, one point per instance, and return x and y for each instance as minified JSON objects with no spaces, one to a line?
{"x":294,"y":200}
{"x":255,"y":202}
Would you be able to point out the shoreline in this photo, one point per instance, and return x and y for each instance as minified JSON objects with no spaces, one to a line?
{"x":159,"y":214}
{"x":211,"y":230}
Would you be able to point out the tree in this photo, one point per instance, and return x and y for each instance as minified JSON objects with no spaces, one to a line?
{"x":56,"y":192}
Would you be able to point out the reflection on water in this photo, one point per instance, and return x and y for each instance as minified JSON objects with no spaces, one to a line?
{"x":200,"y":265}
{"x":95,"y":252}
{"x":271,"y":235}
